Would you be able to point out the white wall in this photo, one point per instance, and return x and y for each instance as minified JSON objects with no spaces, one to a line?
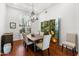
{"x":2,"y":20}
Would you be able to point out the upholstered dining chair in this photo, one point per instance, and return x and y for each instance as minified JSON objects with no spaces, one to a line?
{"x":26,"y":41}
{"x":41,"y":33}
{"x":70,"y":42}
{"x":44,"y":44}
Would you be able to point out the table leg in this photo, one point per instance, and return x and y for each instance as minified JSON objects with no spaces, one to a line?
{"x":34,"y":47}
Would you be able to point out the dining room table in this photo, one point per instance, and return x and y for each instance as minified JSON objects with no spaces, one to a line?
{"x":34,"y":39}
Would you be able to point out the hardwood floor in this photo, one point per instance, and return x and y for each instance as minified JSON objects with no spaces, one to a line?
{"x":19,"y":50}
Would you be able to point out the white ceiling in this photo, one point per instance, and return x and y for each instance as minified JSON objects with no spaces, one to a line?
{"x":38,"y":7}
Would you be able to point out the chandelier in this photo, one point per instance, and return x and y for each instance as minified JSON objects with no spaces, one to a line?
{"x":33,"y":15}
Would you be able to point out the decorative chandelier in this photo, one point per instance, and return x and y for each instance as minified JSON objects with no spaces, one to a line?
{"x":33,"y":14}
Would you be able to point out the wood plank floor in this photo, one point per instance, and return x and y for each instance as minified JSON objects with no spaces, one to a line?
{"x":19,"y":50}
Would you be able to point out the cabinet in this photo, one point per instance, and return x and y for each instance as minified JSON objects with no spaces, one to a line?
{"x":6,"y":38}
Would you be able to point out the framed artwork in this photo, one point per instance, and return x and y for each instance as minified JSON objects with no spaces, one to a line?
{"x":48,"y":26}
{"x":45,"y":27}
{"x":12,"y":25}
{"x":51,"y":26}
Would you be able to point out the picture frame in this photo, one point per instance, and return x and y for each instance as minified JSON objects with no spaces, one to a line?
{"x":12,"y":25}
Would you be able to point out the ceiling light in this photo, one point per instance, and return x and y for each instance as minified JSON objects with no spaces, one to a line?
{"x":33,"y":15}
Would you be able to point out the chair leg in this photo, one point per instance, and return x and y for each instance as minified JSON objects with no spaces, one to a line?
{"x":48,"y":52}
{"x":73,"y":51}
{"x":62,"y":47}
{"x":42,"y":53}
{"x":66,"y":49}
{"x":27,"y":48}
{"x":11,"y":47}
{"x":25,"y":45}
{"x":2,"y":51}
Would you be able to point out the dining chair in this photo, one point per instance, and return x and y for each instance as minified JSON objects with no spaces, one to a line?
{"x":41,"y":33}
{"x":70,"y":42}
{"x":44,"y":44}
{"x":26,"y":41}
